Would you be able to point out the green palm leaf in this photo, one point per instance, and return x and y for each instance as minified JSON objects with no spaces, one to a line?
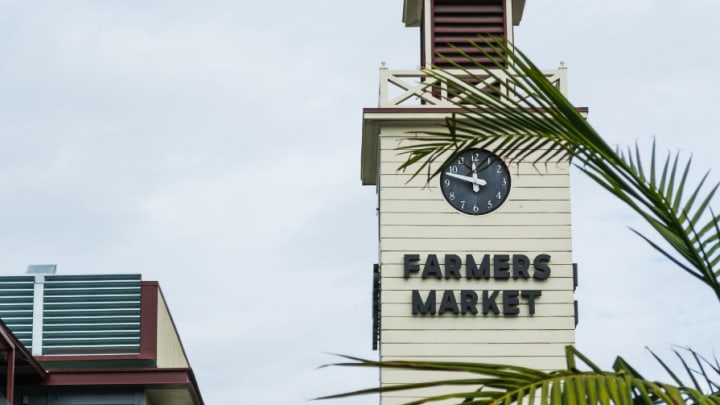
{"x":528,"y":117}
{"x":491,"y":384}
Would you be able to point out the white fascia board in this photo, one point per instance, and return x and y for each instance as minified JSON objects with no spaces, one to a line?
{"x":412,"y":12}
{"x":374,"y":122}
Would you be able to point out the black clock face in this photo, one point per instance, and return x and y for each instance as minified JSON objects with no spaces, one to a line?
{"x":476,"y":183}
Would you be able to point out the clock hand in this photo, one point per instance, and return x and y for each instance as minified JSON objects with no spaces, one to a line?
{"x":476,"y":186}
{"x":474,"y":181}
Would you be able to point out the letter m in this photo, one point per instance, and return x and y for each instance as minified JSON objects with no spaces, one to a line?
{"x":420,"y":307}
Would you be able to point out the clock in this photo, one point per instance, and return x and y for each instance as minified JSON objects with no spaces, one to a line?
{"x":476,"y":183}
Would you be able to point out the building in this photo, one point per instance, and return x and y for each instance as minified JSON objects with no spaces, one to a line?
{"x":477,"y":264}
{"x":90,"y":340}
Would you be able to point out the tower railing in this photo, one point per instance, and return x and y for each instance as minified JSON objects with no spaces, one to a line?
{"x":416,"y":89}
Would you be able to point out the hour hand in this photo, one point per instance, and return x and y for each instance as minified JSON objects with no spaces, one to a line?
{"x":480,"y":182}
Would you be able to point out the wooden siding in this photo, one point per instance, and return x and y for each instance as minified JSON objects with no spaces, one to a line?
{"x":415,"y":219}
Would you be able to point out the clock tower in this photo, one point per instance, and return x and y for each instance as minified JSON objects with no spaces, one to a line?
{"x":475,"y":265}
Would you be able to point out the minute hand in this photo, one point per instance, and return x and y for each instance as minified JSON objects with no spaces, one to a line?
{"x":469,"y":179}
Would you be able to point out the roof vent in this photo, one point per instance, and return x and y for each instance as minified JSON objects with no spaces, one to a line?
{"x":41,"y":269}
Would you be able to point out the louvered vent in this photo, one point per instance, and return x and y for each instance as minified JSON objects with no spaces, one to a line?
{"x":91,"y":314}
{"x":16,"y":306}
{"x":456,"y":22}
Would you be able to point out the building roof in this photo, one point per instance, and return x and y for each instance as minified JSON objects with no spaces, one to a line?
{"x":94,"y":331}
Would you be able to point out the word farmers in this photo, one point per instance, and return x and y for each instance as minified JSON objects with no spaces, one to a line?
{"x":470,"y":302}
{"x":499,"y":267}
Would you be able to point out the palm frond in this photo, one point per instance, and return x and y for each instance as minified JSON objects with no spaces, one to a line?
{"x":491,"y":384}
{"x":703,"y":373}
{"x":528,"y":119}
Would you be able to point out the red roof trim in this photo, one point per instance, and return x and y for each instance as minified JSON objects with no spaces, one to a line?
{"x":148,"y":378}
{"x":9,"y":341}
{"x":412,"y":110}
{"x":125,"y":376}
{"x":427,"y":110}
{"x":148,"y":319}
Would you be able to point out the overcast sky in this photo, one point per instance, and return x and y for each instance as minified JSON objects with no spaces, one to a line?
{"x":214,"y":147}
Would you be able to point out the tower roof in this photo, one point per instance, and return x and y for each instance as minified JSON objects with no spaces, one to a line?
{"x":412,"y":12}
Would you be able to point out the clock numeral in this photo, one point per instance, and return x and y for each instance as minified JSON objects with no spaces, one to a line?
{"x":476,"y":208}
{"x":476,"y":157}
{"x":451,"y":196}
{"x":499,"y":196}
{"x":453,"y":169}
{"x":489,"y":204}
{"x":462,"y":204}
{"x":504,"y":182}
{"x":447,"y":182}
{"x":499,"y":169}
{"x":461,"y":160}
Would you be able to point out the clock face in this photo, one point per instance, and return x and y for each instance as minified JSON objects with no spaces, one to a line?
{"x":476,"y":183}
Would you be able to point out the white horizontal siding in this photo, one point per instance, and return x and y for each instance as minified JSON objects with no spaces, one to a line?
{"x":470,"y":322}
{"x":396,"y":376}
{"x":392,"y":138}
{"x":499,"y":217}
{"x":404,"y":397}
{"x":529,"y":180}
{"x":545,"y":363}
{"x":415,"y":219}
{"x":391,"y":167}
{"x":475,"y":232}
{"x":392,"y":399}
{"x":510,"y":206}
{"x":473,"y":349}
{"x":433,"y":192}
{"x":488,"y":245}
{"x":480,"y":335}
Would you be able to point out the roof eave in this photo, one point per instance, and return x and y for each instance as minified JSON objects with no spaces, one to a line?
{"x":412,"y":12}
{"x":517,"y":11}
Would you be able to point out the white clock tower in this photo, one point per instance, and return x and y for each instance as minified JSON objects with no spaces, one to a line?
{"x":487,"y":280}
